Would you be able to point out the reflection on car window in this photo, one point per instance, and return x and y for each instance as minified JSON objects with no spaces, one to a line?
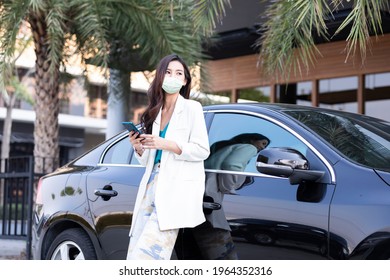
{"x":119,"y":153}
{"x":236,"y":139}
{"x":361,"y":139}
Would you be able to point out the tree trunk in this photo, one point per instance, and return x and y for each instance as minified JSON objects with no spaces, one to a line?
{"x":46,"y":149}
{"x":5,"y":142}
{"x":117,"y":105}
{"x":7,"y":129}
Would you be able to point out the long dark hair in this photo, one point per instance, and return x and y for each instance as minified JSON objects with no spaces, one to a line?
{"x":244,"y":138}
{"x":156,"y":94}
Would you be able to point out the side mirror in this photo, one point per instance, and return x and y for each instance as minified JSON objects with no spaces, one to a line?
{"x":288,"y":163}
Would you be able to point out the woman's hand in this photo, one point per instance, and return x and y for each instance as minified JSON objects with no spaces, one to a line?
{"x":153,"y":142}
{"x":150,"y":141}
{"x":136,"y":142}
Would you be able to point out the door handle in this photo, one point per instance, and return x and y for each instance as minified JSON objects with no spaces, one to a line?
{"x":106,"y":193}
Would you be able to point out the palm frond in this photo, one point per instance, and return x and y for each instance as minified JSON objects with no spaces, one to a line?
{"x":38,"y":6}
{"x":21,"y":91}
{"x":289,"y":27}
{"x":88,"y":22}
{"x":136,"y":25}
{"x":156,"y":28}
{"x":11,"y":17}
{"x":364,"y":18}
{"x":207,"y":13}
{"x":55,"y":21}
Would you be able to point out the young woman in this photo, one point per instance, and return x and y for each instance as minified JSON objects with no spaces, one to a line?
{"x":173,"y":149}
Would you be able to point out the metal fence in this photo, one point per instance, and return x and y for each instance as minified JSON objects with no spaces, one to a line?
{"x":17,"y":184}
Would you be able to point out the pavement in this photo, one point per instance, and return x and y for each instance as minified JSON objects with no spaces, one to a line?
{"x":11,"y":249}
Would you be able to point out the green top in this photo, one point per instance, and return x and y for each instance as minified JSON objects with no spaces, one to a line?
{"x":159,"y":152}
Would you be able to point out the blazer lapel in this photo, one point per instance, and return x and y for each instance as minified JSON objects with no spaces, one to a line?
{"x":179,"y":107}
{"x":174,"y":123}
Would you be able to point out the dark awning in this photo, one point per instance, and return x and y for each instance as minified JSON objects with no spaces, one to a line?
{"x":20,"y":137}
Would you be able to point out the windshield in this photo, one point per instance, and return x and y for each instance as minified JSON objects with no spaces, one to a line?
{"x":360,"y":138}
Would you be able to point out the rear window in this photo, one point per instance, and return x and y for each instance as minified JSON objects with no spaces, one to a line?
{"x":361,"y":139}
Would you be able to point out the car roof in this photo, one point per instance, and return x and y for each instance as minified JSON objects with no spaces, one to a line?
{"x":277,"y":107}
{"x":283,"y":107}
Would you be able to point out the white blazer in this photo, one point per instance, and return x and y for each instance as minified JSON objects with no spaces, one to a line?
{"x":181,"y":180}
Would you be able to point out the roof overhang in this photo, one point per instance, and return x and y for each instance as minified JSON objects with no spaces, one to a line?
{"x":90,"y":125}
{"x":241,"y":39}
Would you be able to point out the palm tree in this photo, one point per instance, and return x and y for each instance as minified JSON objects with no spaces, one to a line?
{"x":291,"y":27}
{"x":184,"y":37}
{"x":152,"y":28}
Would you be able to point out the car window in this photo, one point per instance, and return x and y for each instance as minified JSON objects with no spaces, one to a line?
{"x":134,"y":160}
{"x":361,"y":139}
{"x":228,"y":137}
{"x":119,"y":153}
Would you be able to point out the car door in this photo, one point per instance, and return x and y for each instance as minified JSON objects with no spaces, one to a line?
{"x":118,"y":174}
{"x":269,"y":217}
{"x":112,"y":188}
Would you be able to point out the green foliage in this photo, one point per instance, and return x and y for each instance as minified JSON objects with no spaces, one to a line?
{"x":291,"y":24}
{"x":148,"y":29}
{"x":129,"y":32}
{"x":21,"y":91}
{"x":253,"y":95}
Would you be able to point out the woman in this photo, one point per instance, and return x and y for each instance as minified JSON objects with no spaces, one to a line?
{"x":173,"y":149}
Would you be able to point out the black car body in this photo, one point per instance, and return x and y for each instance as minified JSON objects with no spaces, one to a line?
{"x":336,"y":206}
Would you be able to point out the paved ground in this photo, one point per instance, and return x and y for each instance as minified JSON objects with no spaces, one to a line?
{"x":11,"y":249}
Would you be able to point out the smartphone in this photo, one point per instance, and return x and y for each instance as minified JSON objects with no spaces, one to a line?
{"x":131,"y":127}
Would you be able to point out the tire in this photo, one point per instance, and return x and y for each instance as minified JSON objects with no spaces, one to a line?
{"x":71,"y":244}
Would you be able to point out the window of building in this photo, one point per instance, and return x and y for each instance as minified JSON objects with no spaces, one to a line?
{"x":64,"y":103}
{"x":339,"y":93}
{"x":377,"y":95}
{"x":304,"y":90}
{"x":217,"y":98}
{"x":97,"y":101}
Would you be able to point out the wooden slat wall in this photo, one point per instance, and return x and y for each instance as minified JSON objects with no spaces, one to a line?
{"x":242,"y":72}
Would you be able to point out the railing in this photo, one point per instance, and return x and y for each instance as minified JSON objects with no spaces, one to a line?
{"x":17,"y":184}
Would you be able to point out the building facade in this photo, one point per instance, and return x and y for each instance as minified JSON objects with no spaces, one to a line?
{"x":333,"y":81}
{"x":82,"y":118}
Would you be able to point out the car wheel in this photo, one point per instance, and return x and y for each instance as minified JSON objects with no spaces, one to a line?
{"x":72,"y":244}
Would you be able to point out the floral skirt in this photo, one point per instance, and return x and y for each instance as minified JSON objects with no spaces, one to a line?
{"x":147,"y":241}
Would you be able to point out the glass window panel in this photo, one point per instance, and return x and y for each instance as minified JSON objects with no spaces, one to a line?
{"x":226,"y":126}
{"x":119,"y":153}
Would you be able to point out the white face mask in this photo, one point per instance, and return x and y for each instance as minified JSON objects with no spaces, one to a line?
{"x":172,"y":85}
